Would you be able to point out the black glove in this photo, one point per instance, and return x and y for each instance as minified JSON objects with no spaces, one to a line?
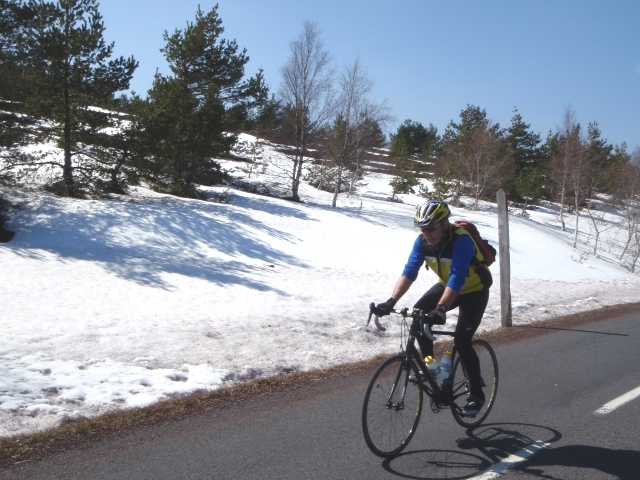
{"x":384,"y":308}
{"x":437,"y":316}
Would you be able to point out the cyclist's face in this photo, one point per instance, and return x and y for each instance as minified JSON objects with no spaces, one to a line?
{"x":433,"y":235}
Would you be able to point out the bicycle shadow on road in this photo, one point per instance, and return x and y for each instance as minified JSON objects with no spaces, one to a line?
{"x":622,"y":464}
{"x":496,"y":440}
{"x":483,"y":447}
{"x":434,"y":464}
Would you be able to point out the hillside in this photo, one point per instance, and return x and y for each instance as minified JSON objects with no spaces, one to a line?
{"x":120,"y":302}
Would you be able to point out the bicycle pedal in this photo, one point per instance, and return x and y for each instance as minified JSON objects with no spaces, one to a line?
{"x":468,"y":415}
{"x":436,"y":407}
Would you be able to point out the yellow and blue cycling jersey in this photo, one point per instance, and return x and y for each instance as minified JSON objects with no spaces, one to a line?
{"x":456,"y":261}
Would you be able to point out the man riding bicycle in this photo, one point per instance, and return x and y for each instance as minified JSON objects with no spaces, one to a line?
{"x":464,"y":282}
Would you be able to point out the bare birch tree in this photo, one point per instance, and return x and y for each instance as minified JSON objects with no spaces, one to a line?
{"x":473,"y":152}
{"x":356,"y":114}
{"x":483,"y":160}
{"x":628,"y":189}
{"x":566,"y":146}
{"x":577,"y":173}
{"x":307,"y":95}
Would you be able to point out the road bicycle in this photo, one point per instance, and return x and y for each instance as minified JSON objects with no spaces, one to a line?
{"x":393,"y":401}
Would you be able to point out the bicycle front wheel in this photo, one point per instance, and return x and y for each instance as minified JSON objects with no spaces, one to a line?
{"x":489,"y":373}
{"x":392,"y":407}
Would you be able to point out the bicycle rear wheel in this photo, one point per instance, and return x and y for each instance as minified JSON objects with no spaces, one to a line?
{"x":489,"y":372}
{"x":392,"y":407}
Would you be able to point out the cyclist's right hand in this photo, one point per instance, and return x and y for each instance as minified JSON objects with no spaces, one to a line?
{"x":383,"y":308}
{"x":438,"y":316}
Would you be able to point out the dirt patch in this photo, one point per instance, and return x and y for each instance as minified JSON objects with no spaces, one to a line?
{"x":85,"y":433}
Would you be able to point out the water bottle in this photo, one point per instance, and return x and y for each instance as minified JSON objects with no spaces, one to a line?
{"x":432,"y":367}
{"x":445,"y":365}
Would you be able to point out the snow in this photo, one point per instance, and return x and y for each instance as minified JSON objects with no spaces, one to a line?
{"x":122,"y":302}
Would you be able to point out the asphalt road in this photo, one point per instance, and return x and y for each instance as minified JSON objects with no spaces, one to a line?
{"x":549,"y":389}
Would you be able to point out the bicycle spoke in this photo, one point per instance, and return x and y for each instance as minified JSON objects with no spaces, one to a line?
{"x":489,"y":382}
{"x":389,"y":418}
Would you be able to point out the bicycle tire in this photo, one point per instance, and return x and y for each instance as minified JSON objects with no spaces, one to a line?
{"x":460,"y":385}
{"x":388,"y":425}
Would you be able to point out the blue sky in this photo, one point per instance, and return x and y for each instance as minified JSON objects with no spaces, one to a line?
{"x":430,"y":59}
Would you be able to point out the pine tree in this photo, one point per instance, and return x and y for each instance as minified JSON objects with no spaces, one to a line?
{"x":73,"y":72}
{"x":118,"y":153}
{"x":523,"y":149}
{"x":375,"y":136}
{"x":530,"y":187}
{"x":523,"y":144}
{"x":253,"y":153}
{"x":203,"y":60}
{"x":182,"y":134}
{"x":192,"y":115}
{"x":404,"y":178}
{"x":599,"y":158}
{"x":423,"y":142}
{"x":15,"y":79}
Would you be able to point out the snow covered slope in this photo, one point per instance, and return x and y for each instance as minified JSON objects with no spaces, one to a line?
{"x":121,"y":302}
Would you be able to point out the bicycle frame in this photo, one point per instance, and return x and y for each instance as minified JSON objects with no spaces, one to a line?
{"x":442,"y":396}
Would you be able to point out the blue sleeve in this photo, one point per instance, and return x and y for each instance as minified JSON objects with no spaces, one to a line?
{"x":463,"y":251}
{"x":416,"y":259}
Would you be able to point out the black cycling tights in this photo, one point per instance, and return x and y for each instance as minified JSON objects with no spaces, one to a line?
{"x":472,"y":306}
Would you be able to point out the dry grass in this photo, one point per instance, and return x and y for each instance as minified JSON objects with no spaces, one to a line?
{"x":84,"y":433}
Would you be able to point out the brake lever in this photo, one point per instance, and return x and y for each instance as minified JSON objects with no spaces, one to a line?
{"x":426,"y":328}
{"x":376,"y":320}
{"x":371,"y":305}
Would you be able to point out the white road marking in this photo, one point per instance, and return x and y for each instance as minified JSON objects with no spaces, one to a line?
{"x":618,"y":402}
{"x":511,"y":461}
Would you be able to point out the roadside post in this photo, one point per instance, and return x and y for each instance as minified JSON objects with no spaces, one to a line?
{"x":505,"y":262}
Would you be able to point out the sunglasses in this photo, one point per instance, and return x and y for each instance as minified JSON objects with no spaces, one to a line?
{"x":431,"y":228}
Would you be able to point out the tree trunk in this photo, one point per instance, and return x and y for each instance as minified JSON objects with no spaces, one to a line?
{"x":564,"y":229}
{"x":575,"y":234}
{"x":338,"y":185}
{"x":353,"y":180}
{"x":632,"y":226}
{"x":637,"y":252}
{"x":595,"y":227}
{"x":322,"y":174}
{"x":626,"y":246}
{"x":67,"y":170}
{"x":297,"y":174}
{"x":115,"y":187}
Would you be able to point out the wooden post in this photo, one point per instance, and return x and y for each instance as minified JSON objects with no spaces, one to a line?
{"x":505,"y":262}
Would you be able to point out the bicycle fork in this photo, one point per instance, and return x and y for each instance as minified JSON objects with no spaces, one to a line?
{"x":399,"y":405}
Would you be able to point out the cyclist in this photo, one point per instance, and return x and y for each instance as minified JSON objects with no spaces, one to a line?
{"x":464,"y":282}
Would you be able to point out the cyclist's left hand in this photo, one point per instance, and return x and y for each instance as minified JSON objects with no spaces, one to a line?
{"x":437,"y":316}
